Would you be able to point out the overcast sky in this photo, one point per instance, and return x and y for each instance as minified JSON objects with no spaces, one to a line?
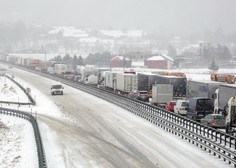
{"x":170,"y":15}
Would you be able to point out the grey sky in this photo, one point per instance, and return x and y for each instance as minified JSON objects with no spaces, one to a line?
{"x":170,"y":15}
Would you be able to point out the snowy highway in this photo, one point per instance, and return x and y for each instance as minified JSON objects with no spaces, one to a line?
{"x":90,"y":132}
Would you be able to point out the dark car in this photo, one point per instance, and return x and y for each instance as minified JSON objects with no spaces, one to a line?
{"x":199,"y":107}
{"x":214,"y":120}
{"x":141,"y":95}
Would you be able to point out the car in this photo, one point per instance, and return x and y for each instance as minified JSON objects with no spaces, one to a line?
{"x":214,"y":120}
{"x":141,"y":95}
{"x":171,"y":105}
{"x":181,"y":107}
{"x":131,"y":94}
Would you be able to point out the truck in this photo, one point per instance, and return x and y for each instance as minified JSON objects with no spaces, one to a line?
{"x":222,"y":95}
{"x":60,"y":69}
{"x":110,"y":80}
{"x":57,"y":88}
{"x":126,"y":83}
{"x":100,"y":73}
{"x":230,"y":116}
{"x":204,"y":88}
{"x":171,"y":73}
{"x":179,"y":85}
{"x":162,"y":94}
{"x":91,"y":79}
{"x":146,"y":81}
{"x":223,"y":78}
{"x":31,"y":62}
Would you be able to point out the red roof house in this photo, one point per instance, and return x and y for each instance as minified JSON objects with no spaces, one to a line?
{"x":119,"y":61}
{"x":159,"y":62}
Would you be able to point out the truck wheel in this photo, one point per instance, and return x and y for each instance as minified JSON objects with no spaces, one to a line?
{"x":61,"y":93}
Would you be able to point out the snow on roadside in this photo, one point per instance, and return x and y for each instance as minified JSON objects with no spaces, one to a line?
{"x":10,"y":92}
{"x":17,"y":144}
{"x":43,"y":107}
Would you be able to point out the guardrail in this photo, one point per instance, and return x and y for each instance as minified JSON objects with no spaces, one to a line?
{"x":32,"y":101}
{"x":24,"y":115}
{"x":209,"y":139}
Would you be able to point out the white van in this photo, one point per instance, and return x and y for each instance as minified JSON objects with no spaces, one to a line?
{"x":57,"y":88}
{"x":181,"y":107}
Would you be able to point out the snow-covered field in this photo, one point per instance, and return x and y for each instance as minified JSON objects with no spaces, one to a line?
{"x":17,"y":144}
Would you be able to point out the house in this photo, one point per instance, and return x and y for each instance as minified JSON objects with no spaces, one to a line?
{"x":120,"y":61}
{"x":159,"y":62}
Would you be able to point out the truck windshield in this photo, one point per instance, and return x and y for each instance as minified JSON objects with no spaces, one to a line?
{"x":56,"y":86}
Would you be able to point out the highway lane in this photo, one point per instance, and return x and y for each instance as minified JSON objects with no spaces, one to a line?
{"x":100,"y":134}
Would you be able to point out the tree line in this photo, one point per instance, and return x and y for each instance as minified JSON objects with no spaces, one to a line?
{"x":91,"y":59}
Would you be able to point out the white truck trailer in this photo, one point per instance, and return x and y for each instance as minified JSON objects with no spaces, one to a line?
{"x":92,"y":79}
{"x":110,"y":80}
{"x":126,"y":83}
{"x":162,"y":94}
{"x":222,"y":96}
{"x":202,"y":88}
{"x":62,"y":68}
{"x":230,"y":116}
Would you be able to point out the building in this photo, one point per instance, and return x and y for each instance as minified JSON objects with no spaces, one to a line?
{"x":120,"y":61}
{"x":159,"y":62}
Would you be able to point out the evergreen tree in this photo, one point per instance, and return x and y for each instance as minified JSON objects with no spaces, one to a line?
{"x":58,"y":58}
{"x":75,"y":61}
{"x":226,"y":53}
{"x":172,"y":51}
{"x":80,"y":60}
{"x":67,"y":58}
{"x":213,"y":66}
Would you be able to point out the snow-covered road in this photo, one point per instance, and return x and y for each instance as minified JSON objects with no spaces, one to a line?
{"x":80,"y":130}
